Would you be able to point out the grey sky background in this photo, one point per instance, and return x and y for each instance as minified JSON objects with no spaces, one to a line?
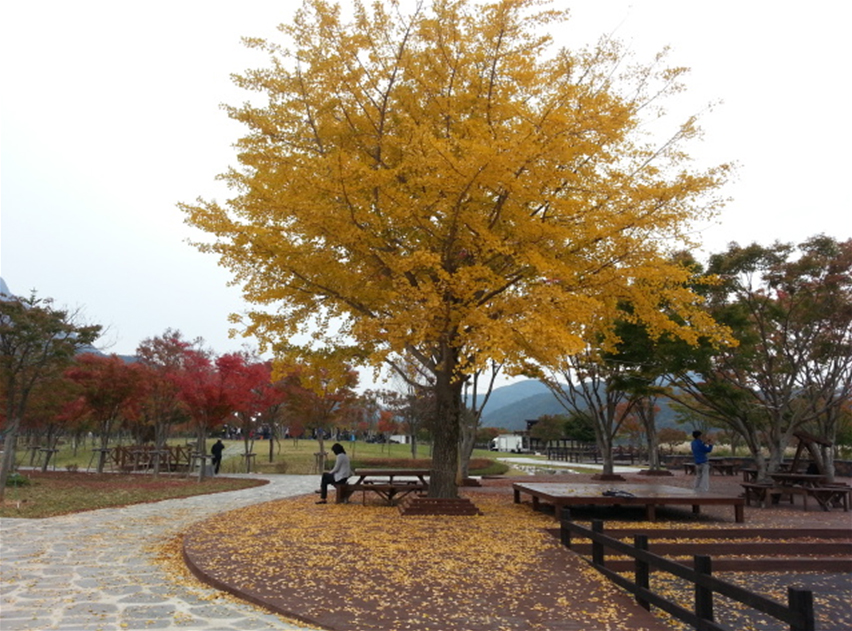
{"x":109,"y":116}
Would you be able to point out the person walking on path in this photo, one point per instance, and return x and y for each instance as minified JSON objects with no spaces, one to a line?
{"x":216,"y":450}
{"x":340,"y":473}
{"x":700,"y":449}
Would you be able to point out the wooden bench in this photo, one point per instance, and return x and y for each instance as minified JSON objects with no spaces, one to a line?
{"x":389,"y":491}
{"x":830,"y":496}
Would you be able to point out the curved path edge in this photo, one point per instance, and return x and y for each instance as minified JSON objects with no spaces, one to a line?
{"x":233,"y":590}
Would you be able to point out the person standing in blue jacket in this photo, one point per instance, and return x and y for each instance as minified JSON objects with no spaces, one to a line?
{"x":700,"y":449}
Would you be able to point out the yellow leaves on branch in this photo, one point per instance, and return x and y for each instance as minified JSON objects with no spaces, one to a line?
{"x":443,"y":176}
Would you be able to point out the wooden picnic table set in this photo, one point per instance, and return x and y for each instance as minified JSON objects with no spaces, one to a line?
{"x":389,"y":484}
{"x":789,"y":484}
{"x":649,"y":496}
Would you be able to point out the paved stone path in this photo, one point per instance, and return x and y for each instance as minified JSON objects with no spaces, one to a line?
{"x":95,"y":571}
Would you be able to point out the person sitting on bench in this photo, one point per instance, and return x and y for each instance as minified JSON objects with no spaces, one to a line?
{"x":338,"y":475}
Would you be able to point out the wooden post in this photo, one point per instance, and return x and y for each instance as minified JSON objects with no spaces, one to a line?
{"x":565,"y":533}
{"x":703,"y":595}
{"x":597,"y":547}
{"x":801,"y":603}
{"x":642,"y":573}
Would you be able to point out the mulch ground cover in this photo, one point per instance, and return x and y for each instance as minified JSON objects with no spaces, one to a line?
{"x":364,"y":567}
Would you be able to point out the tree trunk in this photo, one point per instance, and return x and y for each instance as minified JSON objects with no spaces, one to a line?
{"x":201,"y":450}
{"x":9,"y":452}
{"x":160,"y":436}
{"x":647,"y":414}
{"x":605,"y":444}
{"x":653,"y":451}
{"x":469,"y":426}
{"x":105,"y":427}
{"x":828,"y":462}
{"x":49,"y":445}
{"x":443,"y":481}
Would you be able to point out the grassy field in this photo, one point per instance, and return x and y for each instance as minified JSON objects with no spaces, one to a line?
{"x":288,"y":456}
{"x":295,"y":457}
{"x":61,"y":492}
{"x":298,"y":457}
{"x":62,"y":489}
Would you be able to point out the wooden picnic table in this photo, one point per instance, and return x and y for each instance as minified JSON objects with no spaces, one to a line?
{"x":807,"y":485}
{"x":649,"y":496}
{"x":798,"y":479}
{"x":389,"y":484}
{"x":102,"y":455}
{"x":49,"y":459}
{"x":717,"y":465}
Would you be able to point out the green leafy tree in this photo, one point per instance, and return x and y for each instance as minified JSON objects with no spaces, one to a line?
{"x":444,"y":184}
{"x":579,"y":426}
{"x":790,"y":310}
{"x":548,"y":428}
{"x":37,"y":342}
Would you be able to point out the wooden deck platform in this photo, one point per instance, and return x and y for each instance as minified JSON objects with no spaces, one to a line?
{"x":650,"y":496}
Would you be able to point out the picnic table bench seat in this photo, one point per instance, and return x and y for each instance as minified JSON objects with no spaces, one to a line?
{"x":757,"y":491}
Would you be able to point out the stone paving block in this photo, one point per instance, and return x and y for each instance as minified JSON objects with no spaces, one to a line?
{"x":71,"y":572}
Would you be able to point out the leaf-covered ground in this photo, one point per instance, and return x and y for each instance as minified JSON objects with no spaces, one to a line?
{"x":367,"y":567}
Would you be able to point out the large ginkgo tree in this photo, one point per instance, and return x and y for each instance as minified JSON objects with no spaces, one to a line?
{"x":440,"y":181}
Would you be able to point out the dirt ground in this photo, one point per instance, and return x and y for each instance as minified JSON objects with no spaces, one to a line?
{"x":354,"y":567}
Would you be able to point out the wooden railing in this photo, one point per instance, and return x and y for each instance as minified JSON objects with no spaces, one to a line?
{"x":798,"y":613}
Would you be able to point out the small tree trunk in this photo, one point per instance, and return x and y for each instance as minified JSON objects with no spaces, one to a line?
{"x":160,"y":433}
{"x":201,"y":450}
{"x":105,"y":426}
{"x":9,"y":453}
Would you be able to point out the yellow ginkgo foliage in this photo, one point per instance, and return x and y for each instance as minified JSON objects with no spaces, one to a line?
{"x":443,"y":183}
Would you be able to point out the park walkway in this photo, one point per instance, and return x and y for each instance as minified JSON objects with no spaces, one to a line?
{"x":96,"y":570}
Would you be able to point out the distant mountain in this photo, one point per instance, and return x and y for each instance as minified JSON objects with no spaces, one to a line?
{"x":506,"y":395}
{"x":510,"y":406}
{"x":514,"y":415}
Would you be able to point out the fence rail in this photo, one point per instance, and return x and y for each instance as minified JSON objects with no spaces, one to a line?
{"x":798,"y":612}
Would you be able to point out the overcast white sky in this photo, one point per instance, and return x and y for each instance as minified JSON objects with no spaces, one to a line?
{"x":109,"y":116}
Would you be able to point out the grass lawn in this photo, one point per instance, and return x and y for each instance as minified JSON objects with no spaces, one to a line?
{"x":60,"y":492}
{"x":295,"y":457}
